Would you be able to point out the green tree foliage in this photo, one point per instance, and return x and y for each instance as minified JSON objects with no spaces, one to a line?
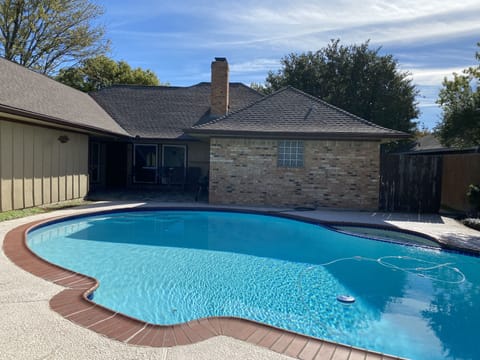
{"x":99,"y":72}
{"x":260,"y":88}
{"x":460,"y":102}
{"x":354,"y":78}
{"x":473,"y":196}
{"x":43,"y":34}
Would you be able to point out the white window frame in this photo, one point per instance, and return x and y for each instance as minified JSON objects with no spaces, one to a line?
{"x":290,"y":154}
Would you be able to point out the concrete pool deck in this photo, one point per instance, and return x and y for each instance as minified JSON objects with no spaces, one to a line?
{"x":31,"y":330}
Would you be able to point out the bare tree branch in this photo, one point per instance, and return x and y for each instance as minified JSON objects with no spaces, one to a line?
{"x":43,"y":34}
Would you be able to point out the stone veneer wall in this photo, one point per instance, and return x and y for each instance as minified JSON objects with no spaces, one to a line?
{"x":341,"y":174}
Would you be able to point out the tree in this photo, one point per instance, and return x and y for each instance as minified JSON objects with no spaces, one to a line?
{"x":261,"y":88}
{"x":44,"y":34}
{"x":354,"y":78}
{"x":99,"y":72}
{"x":460,"y":102}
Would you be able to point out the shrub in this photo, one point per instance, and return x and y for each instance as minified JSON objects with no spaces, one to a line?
{"x":472,"y":223}
{"x":473,"y":196}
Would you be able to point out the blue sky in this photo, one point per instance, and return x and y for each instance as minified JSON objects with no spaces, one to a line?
{"x":179,"y":39}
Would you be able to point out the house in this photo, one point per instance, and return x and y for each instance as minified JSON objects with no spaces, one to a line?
{"x":292,"y":149}
{"x":159,"y":152}
{"x":288,"y":148}
{"x":45,"y":128}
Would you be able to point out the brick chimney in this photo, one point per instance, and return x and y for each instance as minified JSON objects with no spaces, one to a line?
{"x":219,"y":100}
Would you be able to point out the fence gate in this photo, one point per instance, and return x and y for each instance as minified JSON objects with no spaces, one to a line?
{"x":410,"y":182}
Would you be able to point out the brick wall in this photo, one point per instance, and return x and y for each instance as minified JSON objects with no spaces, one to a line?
{"x":219,"y":100}
{"x":340,"y":174}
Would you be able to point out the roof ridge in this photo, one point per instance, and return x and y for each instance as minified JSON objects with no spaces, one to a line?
{"x":163,"y":112}
{"x":216,"y":120}
{"x":230,"y":82}
{"x":313,"y":116}
{"x":136,"y":86}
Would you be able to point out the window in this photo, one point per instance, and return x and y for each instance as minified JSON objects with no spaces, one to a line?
{"x":159,"y":164}
{"x":290,"y":153}
{"x":145,"y":163}
{"x":174,"y":158}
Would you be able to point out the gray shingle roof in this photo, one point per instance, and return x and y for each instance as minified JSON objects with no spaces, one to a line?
{"x":292,"y":112}
{"x":25,"y":92}
{"x":163,"y":112}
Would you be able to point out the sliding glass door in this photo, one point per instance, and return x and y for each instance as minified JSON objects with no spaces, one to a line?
{"x":174,"y":160}
{"x":145,"y":163}
{"x":165,"y":164}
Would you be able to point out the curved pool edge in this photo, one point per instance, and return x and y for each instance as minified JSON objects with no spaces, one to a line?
{"x":331,"y":225}
{"x":73,"y":304}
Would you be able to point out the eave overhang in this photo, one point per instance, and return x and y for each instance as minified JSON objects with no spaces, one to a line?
{"x":359,"y":136}
{"x":19,"y":115}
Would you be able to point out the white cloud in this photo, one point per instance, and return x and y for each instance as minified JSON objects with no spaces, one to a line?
{"x":298,"y":25}
{"x":179,"y":38}
{"x":432,"y":76}
{"x":256,"y":65}
{"x":303,"y":22}
{"x":350,"y":13}
{"x":423,"y":105}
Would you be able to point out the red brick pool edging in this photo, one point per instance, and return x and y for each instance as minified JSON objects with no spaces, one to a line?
{"x":73,"y":304}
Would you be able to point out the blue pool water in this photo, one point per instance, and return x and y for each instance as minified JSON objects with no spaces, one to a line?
{"x":168,"y":267}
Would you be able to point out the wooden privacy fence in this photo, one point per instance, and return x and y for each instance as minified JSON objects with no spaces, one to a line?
{"x":410,"y":182}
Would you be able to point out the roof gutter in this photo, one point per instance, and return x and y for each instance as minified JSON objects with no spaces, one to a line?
{"x":297,"y":135}
{"x":40,"y":119}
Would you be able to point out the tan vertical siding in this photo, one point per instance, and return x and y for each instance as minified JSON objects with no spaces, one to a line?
{"x":6,"y":165}
{"x":18,"y":150}
{"x":28,"y":141}
{"x":69,"y":165}
{"x":47,"y":146}
{"x":76,"y":166}
{"x":62,"y":172}
{"x":83,"y":167}
{"x":55,"y":178}
{"x":36,"y":169}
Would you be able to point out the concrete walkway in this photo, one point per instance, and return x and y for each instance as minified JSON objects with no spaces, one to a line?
{"x":445,"y":230}
{"x":30,"y":330}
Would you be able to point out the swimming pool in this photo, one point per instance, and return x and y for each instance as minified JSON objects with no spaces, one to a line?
{"x":167,"y":267}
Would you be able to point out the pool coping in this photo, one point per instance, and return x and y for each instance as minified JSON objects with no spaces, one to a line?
{"x":73,"y":304}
